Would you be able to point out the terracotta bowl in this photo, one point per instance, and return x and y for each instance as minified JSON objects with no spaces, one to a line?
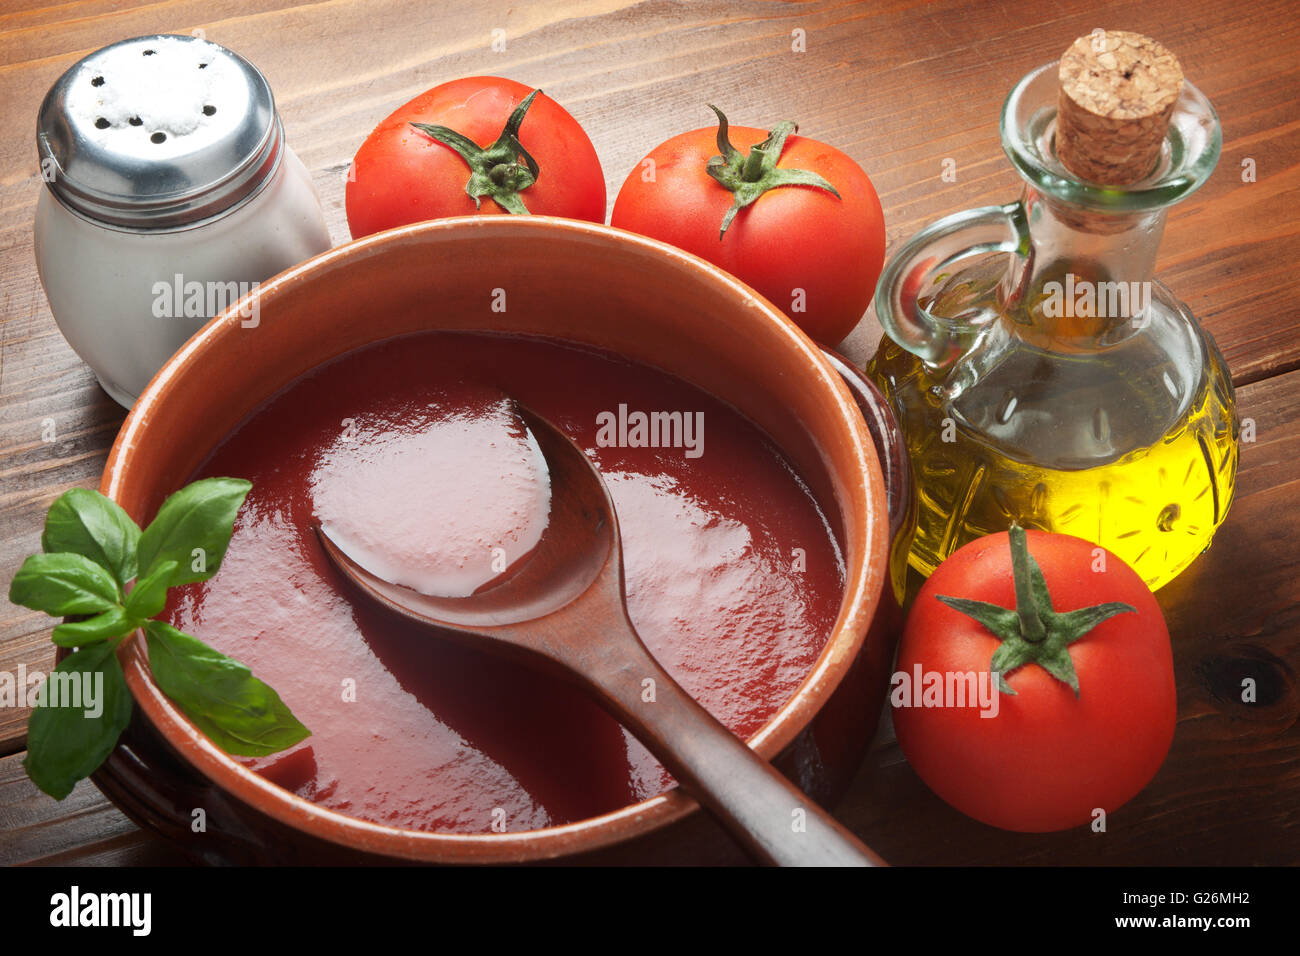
{"x":570,"y":280}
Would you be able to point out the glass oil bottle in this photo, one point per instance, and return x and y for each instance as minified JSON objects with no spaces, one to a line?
{"x":1039,"y":373}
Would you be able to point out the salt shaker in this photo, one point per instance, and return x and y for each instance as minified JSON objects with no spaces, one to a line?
{"x":170,"y":195}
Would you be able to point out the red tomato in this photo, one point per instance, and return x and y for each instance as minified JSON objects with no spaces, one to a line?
{"x":1048,"y":758}
{"x":791,"y":238}
{"x":402,"y":175}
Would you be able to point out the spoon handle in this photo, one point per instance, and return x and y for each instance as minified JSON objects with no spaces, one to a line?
{"x":767,"y":814}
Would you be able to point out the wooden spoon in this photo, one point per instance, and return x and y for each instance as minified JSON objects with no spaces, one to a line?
{"x":564,"y":611}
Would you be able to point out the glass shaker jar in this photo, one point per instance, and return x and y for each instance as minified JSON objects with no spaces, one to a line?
{"x":170,"y":194}
{"x":1039,"y":372}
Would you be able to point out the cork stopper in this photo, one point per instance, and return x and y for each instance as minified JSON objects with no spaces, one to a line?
{"x":1118,"y":91}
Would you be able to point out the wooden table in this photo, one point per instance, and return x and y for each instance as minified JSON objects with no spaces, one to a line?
{"x":901,"y":87}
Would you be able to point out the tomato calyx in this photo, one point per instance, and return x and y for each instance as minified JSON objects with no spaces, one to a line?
{"x":1032,"y":632}
{"x":748,"y":176}
{"x":495,"y":172}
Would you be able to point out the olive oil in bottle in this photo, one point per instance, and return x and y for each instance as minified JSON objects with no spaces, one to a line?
{"x":1004,"y":451}
{"x":1039,"y":373}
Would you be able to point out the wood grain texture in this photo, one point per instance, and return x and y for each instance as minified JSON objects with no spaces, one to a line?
{"x":900,"y":86}
{"x":84,"y":829}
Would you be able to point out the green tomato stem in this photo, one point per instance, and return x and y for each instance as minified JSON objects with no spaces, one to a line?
{"x":1033,"y":632}
{"x":496,"y":172}
{"x":1031,"y":625}
{"x":749,"y":176}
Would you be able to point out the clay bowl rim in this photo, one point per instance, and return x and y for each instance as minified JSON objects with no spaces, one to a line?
{"x":864,"y":584}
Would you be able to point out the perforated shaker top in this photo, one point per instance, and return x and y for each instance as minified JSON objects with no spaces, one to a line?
{"x":158,"y":132}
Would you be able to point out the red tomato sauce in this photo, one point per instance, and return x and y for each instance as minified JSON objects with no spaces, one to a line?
{"x":734,"y":580}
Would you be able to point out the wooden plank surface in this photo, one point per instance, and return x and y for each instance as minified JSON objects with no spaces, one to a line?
{"x":84,"y":829}
{"x":899,"y":86}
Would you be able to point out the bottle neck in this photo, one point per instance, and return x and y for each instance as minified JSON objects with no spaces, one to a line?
{"x":1087,"y":278}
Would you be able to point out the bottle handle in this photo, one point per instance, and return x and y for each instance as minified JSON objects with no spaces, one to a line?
{"x":932,"y":252}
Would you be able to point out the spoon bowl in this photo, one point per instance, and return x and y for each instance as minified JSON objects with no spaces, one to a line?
{"x":580,"y":543}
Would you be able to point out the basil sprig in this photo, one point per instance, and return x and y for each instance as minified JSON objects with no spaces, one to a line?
{"x":93,"y":551}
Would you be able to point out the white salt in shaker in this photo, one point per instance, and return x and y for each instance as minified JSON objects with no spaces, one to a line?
{"x":170,"y":194}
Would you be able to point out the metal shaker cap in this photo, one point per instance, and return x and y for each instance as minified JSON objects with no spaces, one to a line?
{"x":158,"y":132}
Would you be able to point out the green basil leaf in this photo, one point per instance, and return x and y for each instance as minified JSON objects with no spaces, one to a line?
{"x":64,"y":744}
{"x":61,"y":584}
{"x":149,"y":596}
{"x":86,"y":522}
{"x":237,"y":711}
{"x":193,"y":528}
{"x":112,"y":623}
